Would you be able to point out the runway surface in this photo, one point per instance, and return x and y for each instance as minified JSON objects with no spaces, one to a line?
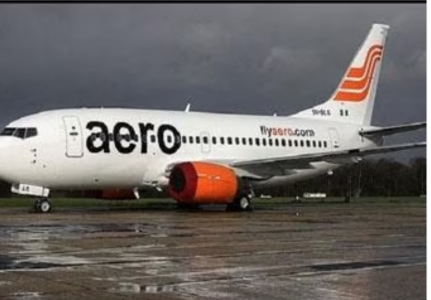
{"x":319,"y":251}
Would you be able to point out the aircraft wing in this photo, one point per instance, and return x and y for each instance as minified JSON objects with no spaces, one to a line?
{"x":393,"y":129}
{"x":280,"y":166}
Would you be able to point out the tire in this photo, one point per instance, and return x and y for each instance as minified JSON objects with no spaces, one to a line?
{"x":43,"y":205}
{"x":244,"y":203}
{"x":240,"y":204}
{"x":36,"y":205}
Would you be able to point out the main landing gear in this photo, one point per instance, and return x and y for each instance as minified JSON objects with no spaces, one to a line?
{"x":42,"y":205}
{"x":242,"y":203}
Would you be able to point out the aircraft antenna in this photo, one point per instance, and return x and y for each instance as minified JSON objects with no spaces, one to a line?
{"x":187,"y":107}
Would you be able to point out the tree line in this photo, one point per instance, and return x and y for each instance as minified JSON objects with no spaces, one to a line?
{"x":381,"y":177}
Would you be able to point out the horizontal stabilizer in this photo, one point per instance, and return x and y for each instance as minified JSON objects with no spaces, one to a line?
{"x":383,"y":131}
{"x":392,"y":148}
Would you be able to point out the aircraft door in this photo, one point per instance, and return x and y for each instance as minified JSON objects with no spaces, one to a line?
{"x":205,"y":143}
{"x":335,"y":138}
{"x":73,"y":137}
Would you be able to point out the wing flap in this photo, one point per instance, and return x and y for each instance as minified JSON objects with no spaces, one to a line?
{"x":285,"y":165}
{"x":261,"y":169}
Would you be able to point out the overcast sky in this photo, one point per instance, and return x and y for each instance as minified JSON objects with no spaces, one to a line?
{"x":241,"y":58}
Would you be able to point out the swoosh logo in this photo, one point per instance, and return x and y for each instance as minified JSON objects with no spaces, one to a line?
{"x":356,"y":84}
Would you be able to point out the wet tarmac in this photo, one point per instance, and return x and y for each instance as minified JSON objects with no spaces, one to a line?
{"x":333,"y":251}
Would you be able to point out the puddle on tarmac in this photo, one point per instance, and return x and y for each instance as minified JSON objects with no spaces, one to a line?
{"x":25,"y":295}
{"x":134,"y":288}
{"x":34,"y":233}
{"x":9,"y":263}
{"x":354,"y":265}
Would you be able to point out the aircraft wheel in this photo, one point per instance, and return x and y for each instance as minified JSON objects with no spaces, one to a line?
{"x":244,"y":203}
{"x":43,"y":205}
{"x":240,"y":204}
{"x":36,"y":205}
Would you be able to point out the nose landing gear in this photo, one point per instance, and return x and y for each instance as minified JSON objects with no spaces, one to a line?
{"x":42,"y":205}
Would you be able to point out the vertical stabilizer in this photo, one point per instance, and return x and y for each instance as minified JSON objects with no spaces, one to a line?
{"x":353,"y":100}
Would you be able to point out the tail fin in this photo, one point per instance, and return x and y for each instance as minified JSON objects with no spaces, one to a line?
{"x":353,"y":100}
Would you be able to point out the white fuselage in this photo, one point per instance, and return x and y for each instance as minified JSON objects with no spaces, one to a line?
{"x":129,"y":148}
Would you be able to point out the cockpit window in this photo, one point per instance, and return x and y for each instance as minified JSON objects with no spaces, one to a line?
{"x":8,"y":131}
{"x":20,"y":132}
{"x":31,"y":132}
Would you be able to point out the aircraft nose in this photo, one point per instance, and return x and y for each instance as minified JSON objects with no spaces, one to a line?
{"x":4,"y":145}
{"x":8,"y":159}
{"x":3,"y":160}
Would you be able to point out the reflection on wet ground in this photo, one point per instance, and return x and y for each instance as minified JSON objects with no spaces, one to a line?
{"x":324,"y":252}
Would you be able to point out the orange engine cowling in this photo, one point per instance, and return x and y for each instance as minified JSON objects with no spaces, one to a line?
{"x":199,"y":182}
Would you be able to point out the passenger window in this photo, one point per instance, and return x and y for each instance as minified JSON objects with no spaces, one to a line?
{"x":205,"y":139}
{"x":276,"y":142}
{"x":270,"y":142}
{"x":257,"y":142}
{"x":301,"y":143}
{"x":184,"y":138}
{"x":153,"y":139}
{"x":222,"y":140}
{"x":296,"y":143}
{"x":250,"y":141}
{"x":283,"y":142}
{"x":314,"y":144}
{"x":190,"y":140}
{"x":169,"y":139}
{"x":229,"y":140}
{"x":264,"y":142}
{"x":307,"y":143}
{"x":325,"y":144}
{"x":244,"y":141}
{"x":237,"y":140}
{"x":290,"y":143}
{"x":198,"y":140}
{"x":214,"y":140}
{"x":320,"y":144}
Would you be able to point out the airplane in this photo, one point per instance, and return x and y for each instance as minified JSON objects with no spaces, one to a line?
{"x":199,"y":158}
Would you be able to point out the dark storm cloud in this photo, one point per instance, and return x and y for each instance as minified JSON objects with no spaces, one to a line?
{"x":243,"y":58}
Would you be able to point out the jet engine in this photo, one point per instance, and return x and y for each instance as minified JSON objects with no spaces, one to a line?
{"x":201,"y":182}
